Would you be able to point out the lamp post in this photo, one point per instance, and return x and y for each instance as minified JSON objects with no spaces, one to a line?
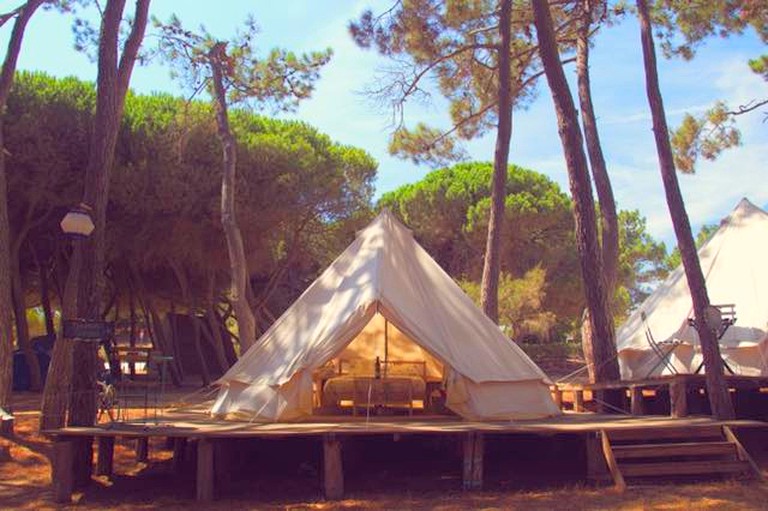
{"x":77,"y":225}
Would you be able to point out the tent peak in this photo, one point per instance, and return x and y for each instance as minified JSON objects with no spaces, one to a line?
{"x":385,"y":220}
{"x":744,"y":209}
{"x":746,"y":205}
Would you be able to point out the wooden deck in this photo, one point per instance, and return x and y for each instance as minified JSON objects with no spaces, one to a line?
{"x":194,"y":425}
{"x":679,"y":388}
{"x":209,"y":437}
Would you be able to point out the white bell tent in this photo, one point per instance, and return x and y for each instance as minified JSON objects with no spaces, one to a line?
{"x":384,"y":273}
{"x":736,"y":272}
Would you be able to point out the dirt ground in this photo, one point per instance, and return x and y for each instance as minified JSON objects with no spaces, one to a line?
{"x":25,"y":484}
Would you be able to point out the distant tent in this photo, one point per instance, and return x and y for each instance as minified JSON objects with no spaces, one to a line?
{"x":385,"y":273}
{"x":736,"y":270}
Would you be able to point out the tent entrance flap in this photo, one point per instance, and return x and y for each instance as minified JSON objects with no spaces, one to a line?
{"x":396,"y":352}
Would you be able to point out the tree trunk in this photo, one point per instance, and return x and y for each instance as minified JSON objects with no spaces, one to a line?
{"x":606,"y":366}
{"x":215,"y":337}
{"x":719,"y":399}
{"x":132,"y":331}
{"x":205,"y":374}
{"x":229,"y":346}
{"x":489,"y":286}
{"x":85,"y":282}
{"x":246,"y":321}
{"x":186,"y":296}
{"x":608,"y":216}
{"x":45,"y":300}
{"x":6,"y":302}
{"x":165,"y":343}
{"x":22,"y":327}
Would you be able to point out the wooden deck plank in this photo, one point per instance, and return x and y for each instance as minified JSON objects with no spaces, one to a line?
{"x":623,"y":452}
{"x":683,"y":468}
{"x":200,"y":425}
{"x":692,"y":380}
{"x":680,"y":431}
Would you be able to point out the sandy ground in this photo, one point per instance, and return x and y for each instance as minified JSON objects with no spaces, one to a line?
{"x":25,"y":484}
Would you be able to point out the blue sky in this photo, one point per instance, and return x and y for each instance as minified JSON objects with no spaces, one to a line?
{"x":338,"y":108}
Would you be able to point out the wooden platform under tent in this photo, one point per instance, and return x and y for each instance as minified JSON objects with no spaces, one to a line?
{"x":678,"y":395}
{"x":613,"y":443}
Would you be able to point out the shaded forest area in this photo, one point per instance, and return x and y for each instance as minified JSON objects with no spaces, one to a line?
{"x":301,"y":198}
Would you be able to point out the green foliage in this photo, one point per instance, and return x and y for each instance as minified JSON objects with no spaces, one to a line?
{"x":707,"y":136}
{"x":642,"y":263}
{"x":453,"y":45}
{"x":521,"y":304}
{"x":448,"y":212}
{"x":759,"y":65}
{"x":300,"y":194}
{"x":280,"y":80}
{"x":448,"y":209}
{"x":682,"y":28}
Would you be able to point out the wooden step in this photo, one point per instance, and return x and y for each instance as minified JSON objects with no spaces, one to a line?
{"x":682,"y":468}
{"x":622,"y":452}
{"x":664,"y":433}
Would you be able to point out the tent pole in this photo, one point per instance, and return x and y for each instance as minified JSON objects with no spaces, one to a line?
{"x":386,"y":346}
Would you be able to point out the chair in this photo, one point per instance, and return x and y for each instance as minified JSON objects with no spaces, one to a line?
{"x":662,"y":349}
{"x":727,"y":317}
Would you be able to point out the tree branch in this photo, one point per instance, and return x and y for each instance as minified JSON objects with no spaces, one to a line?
{"x":8,"y":15}
{"x":14,"y":46}
{"x":752,"y":105}
{"x":131,"y":48}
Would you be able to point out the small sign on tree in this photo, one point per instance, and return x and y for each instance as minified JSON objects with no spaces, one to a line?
{"x":84,"y":329}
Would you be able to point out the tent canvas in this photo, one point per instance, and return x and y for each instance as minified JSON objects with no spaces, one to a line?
{"x":734,"y":265}
{"x":385,"y":271}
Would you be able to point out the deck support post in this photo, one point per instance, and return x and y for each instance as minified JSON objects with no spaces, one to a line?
{"x":223,"y":456}
{"x":205,"y":470}
{"x":179,"y":454}
{"x":6,"y":424}
{"x":557,"y":394}
{"x":578,"y":400}
{"x":106,"y":454}
{"x":474,"y":447}
{"x":62,"y":470}
{"x":333,"y":471}
{"x":637,"y":406}
{"x":678,"y":398}
{"x":597,"y":468}
{"x":142,"y":449}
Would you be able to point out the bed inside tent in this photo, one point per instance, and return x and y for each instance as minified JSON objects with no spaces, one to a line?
{"x":381,"y":369}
